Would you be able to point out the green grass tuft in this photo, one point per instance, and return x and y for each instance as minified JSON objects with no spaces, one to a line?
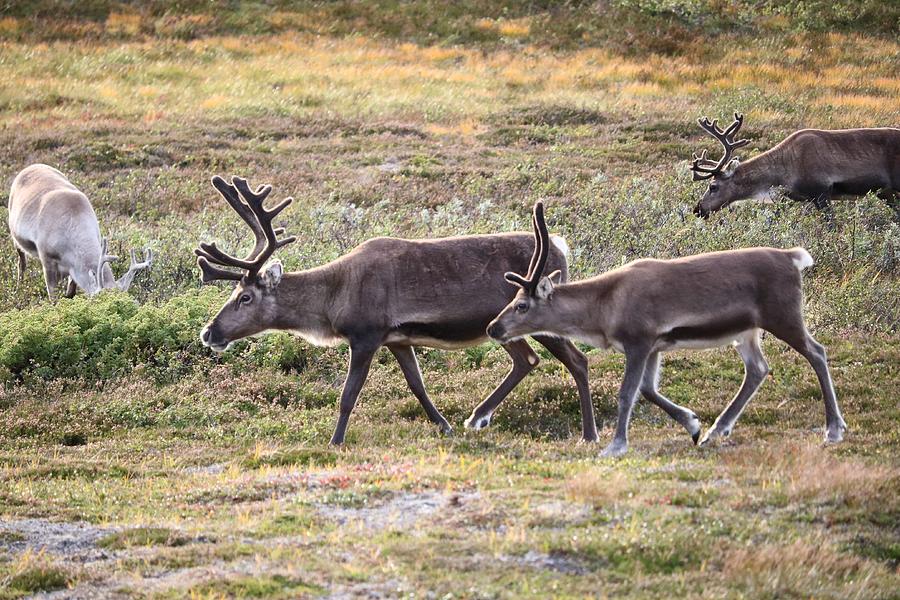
{"x":142,"y":536}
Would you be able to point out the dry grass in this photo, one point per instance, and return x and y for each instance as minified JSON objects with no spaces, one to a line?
{"x":370,"y":77}
{"x":810,"y":567}
{"x":600,"y":487}
{"x":807,"y":472}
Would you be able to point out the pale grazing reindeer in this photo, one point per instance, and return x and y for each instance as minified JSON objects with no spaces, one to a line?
{"x":386,"y":292}
{"x":652,"y":306}
{"x":50,"y":219}
{"x":811,"y":165}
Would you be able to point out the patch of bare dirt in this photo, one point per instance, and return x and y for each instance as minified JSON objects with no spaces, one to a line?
{"x":75,"y":542}
{"x":402,"y":511}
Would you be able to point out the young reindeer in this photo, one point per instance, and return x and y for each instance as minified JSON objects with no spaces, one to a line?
{"x":387,"y":292}
{"x":50,"y":219}
{"x":652,"y":306}
{"x":811,"y":165}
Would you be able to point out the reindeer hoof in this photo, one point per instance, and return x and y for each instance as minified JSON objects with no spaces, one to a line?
{"x":445,"y":428}
{"x":714,"y":433}
{"x":614,"y":450}
{"x":477,"y":423}
{"x":694,"y":428}
{"x":834,"y":436}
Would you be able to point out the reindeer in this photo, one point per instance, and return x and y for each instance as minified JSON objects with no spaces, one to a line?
{"x":811,"y":165}
{"x":50,"y":219}
{"x":648,"y":307}
{"x":386,"y":292}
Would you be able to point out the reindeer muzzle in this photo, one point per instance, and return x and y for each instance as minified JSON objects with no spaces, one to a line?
{"x":212,"y":339}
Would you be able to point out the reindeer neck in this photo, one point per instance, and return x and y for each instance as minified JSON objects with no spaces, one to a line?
{"x":303,"y":301}
{"x":582,"y":307}
{"x":764,"y":170}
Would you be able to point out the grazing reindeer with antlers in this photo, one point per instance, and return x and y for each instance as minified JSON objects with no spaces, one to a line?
{"x":811,"y":165}
{"x":51,"y":219}
{"x":652,"y":306}
{"x":386,"y":292}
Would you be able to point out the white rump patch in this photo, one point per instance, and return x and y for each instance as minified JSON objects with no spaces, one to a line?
{"x":560,"y":242}
{"x":802,"y":259}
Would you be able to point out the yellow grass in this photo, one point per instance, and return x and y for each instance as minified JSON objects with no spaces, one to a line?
{"x":803,"y":471}
{"x":452,"y":85}
{"x":123,"y":23}
{"x":516,"y":28}
{"x":803,"y":564}
{"x":9,"y":25}
{"x":213,"y":102}
{"x":600,"y":486}
{"x":853,"y":101}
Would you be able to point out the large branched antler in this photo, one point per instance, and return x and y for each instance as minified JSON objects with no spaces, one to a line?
{"x":705,"y":168}
{"x":541,"y":252}
{"x":136,"y":265}
{"x":249,"y":205}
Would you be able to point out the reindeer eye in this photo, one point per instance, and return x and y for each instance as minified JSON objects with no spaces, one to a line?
{"x":245,"y":299}
{"x":522,"y":307}
{"x":713,"y":187}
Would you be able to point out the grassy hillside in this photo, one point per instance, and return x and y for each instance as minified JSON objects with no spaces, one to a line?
{"x":135,"y":463}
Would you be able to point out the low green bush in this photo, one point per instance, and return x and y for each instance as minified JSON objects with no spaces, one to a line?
{"x":854,"y":285}
{"x":104,"y":337}
{"x":112,"y":335}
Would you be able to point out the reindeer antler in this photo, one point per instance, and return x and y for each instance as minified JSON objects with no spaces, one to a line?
{"x":705,"y":168}
{"x":104,"y":257}
{"x":249,"y":205}
{"x":124,"y":282}
{"x":541,"y":252}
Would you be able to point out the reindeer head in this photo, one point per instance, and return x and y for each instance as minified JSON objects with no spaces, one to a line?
{"x":94,"y":277}
{"x":724,"y":188}
{"x":531,"y":308}
{"x":251,"y":309}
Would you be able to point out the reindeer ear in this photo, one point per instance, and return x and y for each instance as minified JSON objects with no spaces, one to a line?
{"x":555,"y":276}
{"x":729,"y":168}
{"x":272,"y":275}
{"x":544,"y":288}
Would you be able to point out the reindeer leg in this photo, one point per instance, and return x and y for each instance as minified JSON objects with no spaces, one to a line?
{"x":71,"y":288}
{"x":576,"y":363}
{"x":800,"y":340}
{"x":650,"y":390}
{"x":51,"y":277}
{"x":755,"y":370}
{"x":361,"y":354}
{"x":20,"y":275}
{"x":524,"y":360}
{"x":406,"y":356}
{"x":635,"y":365}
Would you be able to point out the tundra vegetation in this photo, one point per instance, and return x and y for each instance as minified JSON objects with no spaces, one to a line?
{"x":135,"y":462}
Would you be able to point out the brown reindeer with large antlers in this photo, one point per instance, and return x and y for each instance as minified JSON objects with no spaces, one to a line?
{"x":386,"y":292}
{"x":811,"y":165}
{"x":650,"y":306}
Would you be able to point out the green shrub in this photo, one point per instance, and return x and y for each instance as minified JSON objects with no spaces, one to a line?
{"x":853,"y":286}
{"x":111,"y":335}
{"x":142,"y":536}
{"x":104,"y":337}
